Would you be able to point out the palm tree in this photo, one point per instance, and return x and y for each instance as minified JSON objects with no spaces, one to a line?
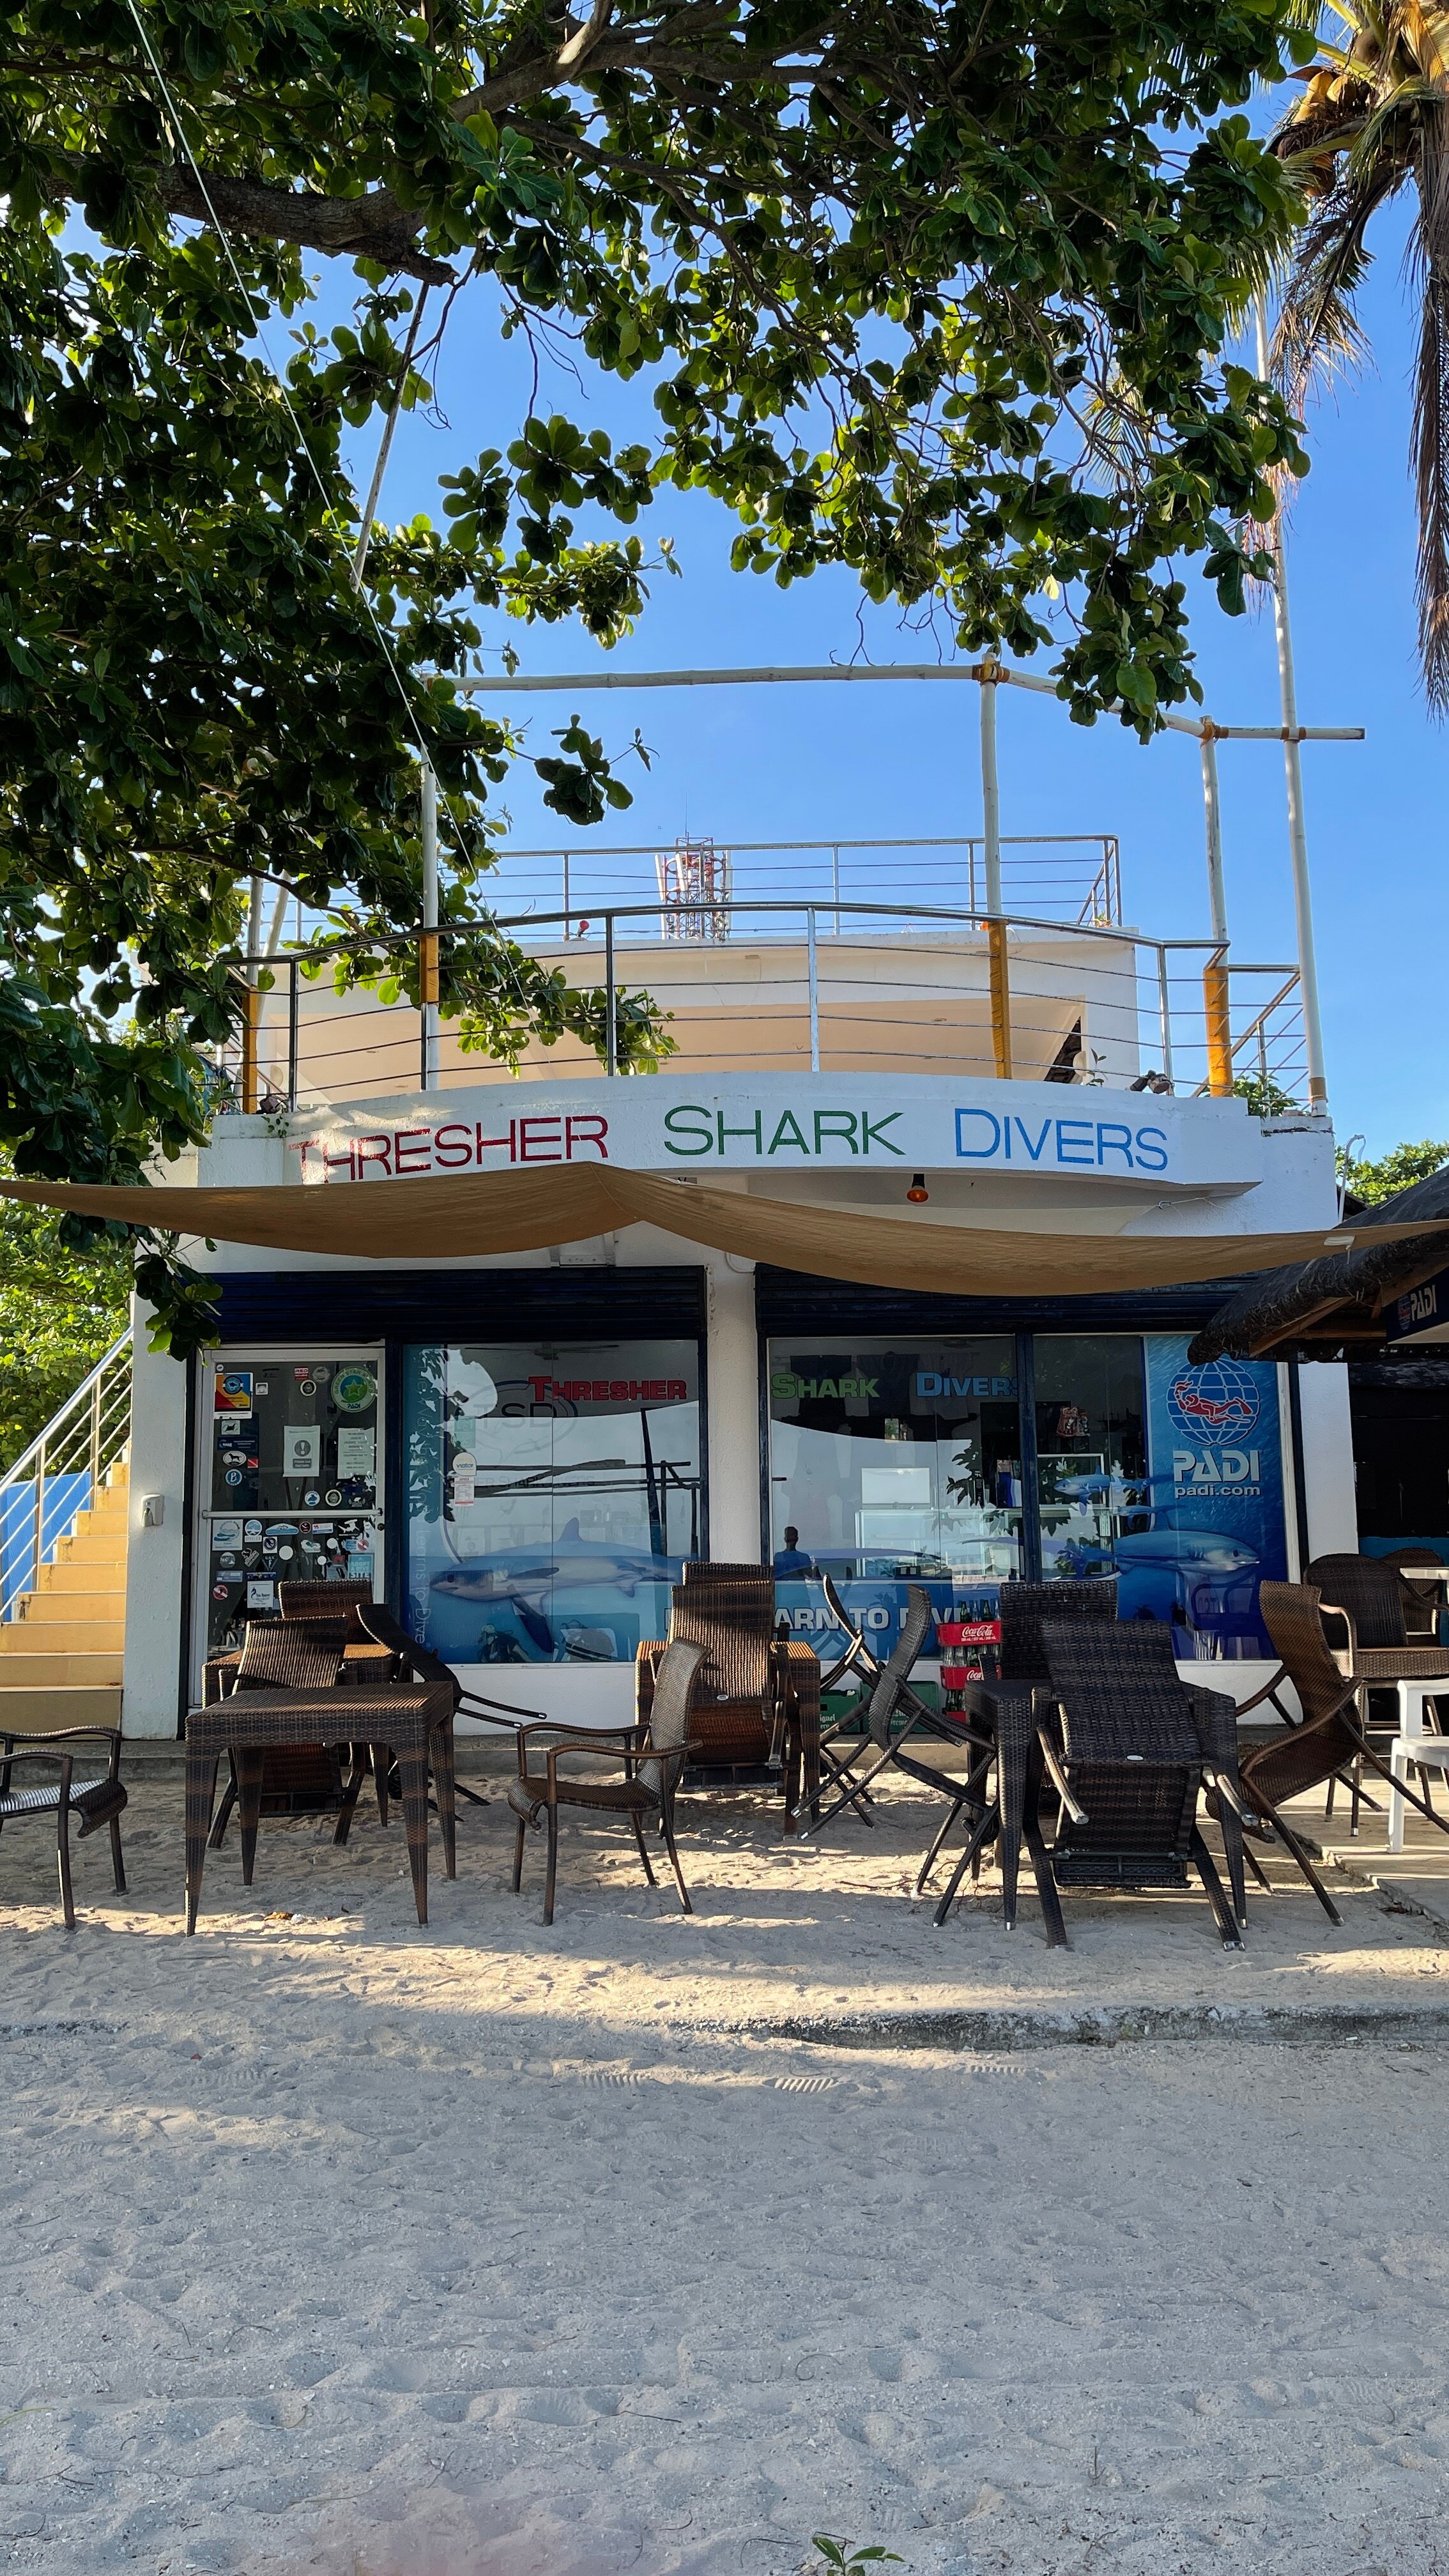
{"x":1373,"y":120}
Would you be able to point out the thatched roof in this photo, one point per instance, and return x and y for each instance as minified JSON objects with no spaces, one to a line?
{"x":1319,"y":1307}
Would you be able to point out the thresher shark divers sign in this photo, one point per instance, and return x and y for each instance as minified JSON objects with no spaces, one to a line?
{"x":836,"y":1122}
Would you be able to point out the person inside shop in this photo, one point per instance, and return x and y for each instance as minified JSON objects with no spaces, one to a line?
{"x":791,"y":1558}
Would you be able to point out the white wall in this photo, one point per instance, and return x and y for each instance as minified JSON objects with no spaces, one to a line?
{"x":734,"y":1415}
{"x":1328,"y":1459}
{"x":152,"y":1670}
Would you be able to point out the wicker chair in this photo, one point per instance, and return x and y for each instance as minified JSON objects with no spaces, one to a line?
{"x":1330,"y":1739}
{"x":1132,"y":1749}
{"x":304,"y":1777}
{"x":651,"y":1757}
{"x":282,"y":1654}
{"x":1365,"y":1608}
{"x":94,"y":1802}
{"x":1422,"y":1601}
{"x":1012,"y":1707}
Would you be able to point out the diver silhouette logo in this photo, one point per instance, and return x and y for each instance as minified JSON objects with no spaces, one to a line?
{"x":1221,"y":1401}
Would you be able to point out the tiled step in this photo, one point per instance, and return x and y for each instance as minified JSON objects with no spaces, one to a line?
{"x":70,"y":1607}
{"x":42,"y":1711}
{"x":63,"y":1582}
{"x":77,"y":1667}
{"x":93,"y":1541}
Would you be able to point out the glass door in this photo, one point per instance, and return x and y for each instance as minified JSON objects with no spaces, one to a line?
{"x":893,"y":1464}
{"x":288,"y":1480}
{"x":1091,"y":1450}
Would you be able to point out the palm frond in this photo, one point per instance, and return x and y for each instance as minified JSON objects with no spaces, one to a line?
{"x":1431,"y":410}
{"x":1317,"y":326}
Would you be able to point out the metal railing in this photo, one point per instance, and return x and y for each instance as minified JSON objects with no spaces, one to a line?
{"x":899,"y":988}
{"x":1074,"y":876}
{"x":59,"y":1476}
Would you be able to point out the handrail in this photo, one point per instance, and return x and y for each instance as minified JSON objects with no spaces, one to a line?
{"x":760,"y":914}
{"x":59,"y":1475}
{"x":46,"y":1438}
{"x":970,"y":917}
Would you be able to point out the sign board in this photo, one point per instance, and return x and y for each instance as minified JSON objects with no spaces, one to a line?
{"x":1421,"y":1314}
{"x":785,"y":1123}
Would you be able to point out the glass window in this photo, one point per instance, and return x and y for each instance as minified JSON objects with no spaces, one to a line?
{"x":892,"y":1464}
{"x":289,"y":1479}
{"x":1091,"y":1449}
{"x":553,"y":1492}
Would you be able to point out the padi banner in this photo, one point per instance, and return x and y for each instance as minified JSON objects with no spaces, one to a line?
{"x":1215,"y":1529}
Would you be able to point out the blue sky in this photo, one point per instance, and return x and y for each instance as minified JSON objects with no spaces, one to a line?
{"x":815,"y":762}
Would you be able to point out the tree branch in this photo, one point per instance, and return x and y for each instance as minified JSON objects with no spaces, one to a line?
{"x":370,"y":227}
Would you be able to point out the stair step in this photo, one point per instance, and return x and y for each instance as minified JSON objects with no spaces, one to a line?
{"x":79,"y":1637}
{"x":45,"y":1711}
{"x":86,"y":1573}
{"x":50,"y":1609}
{"x":69,"y":1669}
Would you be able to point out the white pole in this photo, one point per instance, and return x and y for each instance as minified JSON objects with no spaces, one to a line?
{"x":430,"y":918}
{"x":990,"y":798}
{"x":1293,"y":767}
{"x":1213,"y":817}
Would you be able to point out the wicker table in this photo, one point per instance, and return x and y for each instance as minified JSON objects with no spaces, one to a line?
{"x":412,"y":1724}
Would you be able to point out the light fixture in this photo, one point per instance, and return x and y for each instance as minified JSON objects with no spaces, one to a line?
{"x":918,"y":1192}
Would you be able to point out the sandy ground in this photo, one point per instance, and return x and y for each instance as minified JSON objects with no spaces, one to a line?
{"x":334,"y":2244}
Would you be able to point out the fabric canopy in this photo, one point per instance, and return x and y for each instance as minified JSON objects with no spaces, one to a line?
{"x":498,"y":1212}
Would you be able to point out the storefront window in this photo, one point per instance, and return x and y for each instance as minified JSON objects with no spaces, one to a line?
{"x":891,"y":1465}
{"x":289,"y":1479}
{"x":553,"y":1493}
{"x":1091,"y":1450}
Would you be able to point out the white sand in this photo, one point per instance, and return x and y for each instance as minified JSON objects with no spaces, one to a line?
{"x":346,"y":2246}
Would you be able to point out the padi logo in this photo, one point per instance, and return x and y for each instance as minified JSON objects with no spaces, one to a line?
{"x":1220,"y":1399}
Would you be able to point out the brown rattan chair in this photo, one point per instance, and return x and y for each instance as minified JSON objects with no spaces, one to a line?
{"x":651,"y":1757}
{"x":1330,"y":1740}
{"x":1011,"y":1708}
{"x":757,"y":1708}
{"x":298,"y":1778}
{"x":281,"y":1654}
{"x":1132,"y":1749}
{"x":93,"y":1802}
{"x":1365,"y":1606}
{"x":1422,"y":1601}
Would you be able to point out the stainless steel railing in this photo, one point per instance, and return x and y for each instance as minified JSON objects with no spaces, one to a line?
{"x":59,"y":1476}
{"x":869,"y":986}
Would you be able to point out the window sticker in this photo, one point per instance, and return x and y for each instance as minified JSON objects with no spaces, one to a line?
{"x":302,"y":1451}
{"x":233,"y":1391}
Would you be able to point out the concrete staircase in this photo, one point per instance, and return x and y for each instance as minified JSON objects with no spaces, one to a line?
{"x":60,"y":1659}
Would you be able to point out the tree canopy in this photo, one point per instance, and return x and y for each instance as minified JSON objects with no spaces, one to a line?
{"x":60,"y":1311}
{"x":932,"y":293}
{"x":1369,"y":1179}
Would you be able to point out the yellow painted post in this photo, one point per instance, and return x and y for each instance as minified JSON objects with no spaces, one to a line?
{"x":1000,"y":999}
{"x":1219,"y":1027}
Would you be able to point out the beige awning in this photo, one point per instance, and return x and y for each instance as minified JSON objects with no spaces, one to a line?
{"x":499,"y":1212}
